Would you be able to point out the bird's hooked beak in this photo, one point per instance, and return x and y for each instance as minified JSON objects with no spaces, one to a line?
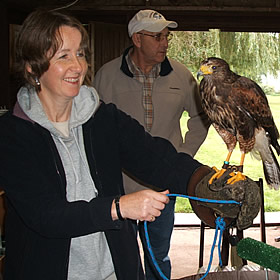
{"x":204,"y":70}
{"x":199,"y":74}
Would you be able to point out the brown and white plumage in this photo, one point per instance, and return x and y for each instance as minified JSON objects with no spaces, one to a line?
{"x":239,"y":111}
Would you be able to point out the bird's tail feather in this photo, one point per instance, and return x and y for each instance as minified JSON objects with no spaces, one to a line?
{"x":273,"y":136}
{"x":272,"y":171}
{"x":276,"y":146}
{"x":263,"y":150}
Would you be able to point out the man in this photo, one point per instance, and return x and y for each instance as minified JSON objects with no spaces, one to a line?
{"x":155,"y":90}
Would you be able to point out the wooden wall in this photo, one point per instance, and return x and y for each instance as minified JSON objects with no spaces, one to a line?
{"x":108,"y":41}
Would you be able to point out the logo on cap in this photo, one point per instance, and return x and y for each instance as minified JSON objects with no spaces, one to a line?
{"x":156,"y":15}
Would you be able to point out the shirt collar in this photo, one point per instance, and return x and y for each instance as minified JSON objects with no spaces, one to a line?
{"x":134,"y":69}
{"x":165,"y":66}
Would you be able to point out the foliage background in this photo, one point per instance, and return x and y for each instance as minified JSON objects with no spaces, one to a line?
{"x":248,"y":54}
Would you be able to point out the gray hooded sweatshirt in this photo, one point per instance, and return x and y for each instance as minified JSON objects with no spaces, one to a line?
{"x":90,"y":258}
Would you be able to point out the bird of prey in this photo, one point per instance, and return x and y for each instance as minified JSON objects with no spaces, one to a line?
{"x":239,"y":111}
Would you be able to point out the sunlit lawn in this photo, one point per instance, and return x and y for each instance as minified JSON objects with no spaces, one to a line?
{"x":213,"y":153}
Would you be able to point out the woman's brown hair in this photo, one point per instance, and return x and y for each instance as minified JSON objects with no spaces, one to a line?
{"x":38,"y":41}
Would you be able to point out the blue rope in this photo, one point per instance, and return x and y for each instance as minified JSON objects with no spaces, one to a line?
{"x":220,"y":225}
{"x":206,"y":199}
{"x":151,"y":252}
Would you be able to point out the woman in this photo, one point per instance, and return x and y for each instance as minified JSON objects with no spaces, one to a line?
{"x":62,"y":152}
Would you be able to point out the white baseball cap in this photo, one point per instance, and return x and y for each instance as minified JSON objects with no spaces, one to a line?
{"x":149,"y":20}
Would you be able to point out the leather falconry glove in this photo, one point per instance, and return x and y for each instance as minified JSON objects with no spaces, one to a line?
{"x":246,"y":191}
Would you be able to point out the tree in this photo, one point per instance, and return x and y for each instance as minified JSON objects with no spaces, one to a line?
{"x":249,"y":54}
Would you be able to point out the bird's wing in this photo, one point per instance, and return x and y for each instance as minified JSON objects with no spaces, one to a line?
{"x":251,"y":101}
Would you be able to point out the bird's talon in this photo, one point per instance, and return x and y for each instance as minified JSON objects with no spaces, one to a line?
{"x":215,"y":168}
{"x":217,"y":175}
{"x":235,"y":178}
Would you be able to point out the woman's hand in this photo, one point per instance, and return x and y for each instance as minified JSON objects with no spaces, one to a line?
{"x":144,"y":205}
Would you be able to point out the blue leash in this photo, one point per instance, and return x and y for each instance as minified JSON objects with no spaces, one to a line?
{"x":220,"y":225}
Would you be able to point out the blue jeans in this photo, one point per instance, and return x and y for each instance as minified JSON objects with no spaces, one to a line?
{"x":159,"y":234}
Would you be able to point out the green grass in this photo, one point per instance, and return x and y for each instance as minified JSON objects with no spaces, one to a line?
{"x":213,"y":153}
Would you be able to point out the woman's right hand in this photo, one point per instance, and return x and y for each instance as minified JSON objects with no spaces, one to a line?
{"x":144,"y":205}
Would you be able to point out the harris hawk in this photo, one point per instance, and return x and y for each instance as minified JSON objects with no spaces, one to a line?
{"x":239,"y":111}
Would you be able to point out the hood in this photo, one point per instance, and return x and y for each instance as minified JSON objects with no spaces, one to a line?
{"x":83,"y":107}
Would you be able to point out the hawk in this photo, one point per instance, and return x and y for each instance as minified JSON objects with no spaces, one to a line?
{"x":239,"y":111}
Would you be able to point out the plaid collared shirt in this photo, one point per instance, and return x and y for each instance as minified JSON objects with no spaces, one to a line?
{"x":147,"y":81}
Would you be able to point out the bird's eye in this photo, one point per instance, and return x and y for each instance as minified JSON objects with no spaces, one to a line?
{"x":214,"y":67}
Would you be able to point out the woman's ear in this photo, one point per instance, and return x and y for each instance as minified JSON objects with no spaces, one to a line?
{"x":28,"y":68}
{"x":35,"y":78}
